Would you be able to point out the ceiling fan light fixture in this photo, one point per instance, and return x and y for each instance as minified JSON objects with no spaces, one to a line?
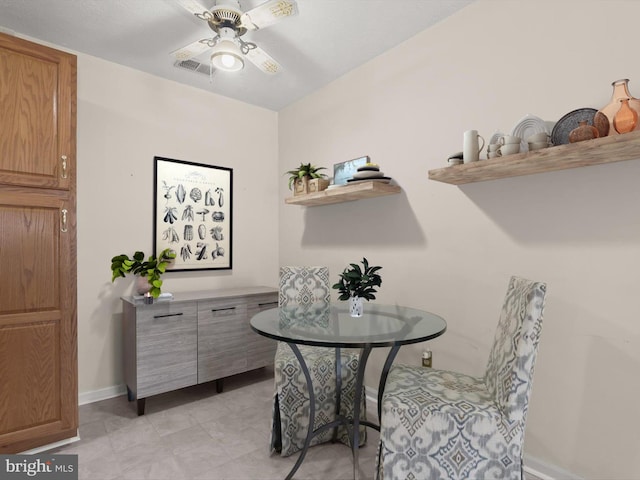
{"x":226,"y":56}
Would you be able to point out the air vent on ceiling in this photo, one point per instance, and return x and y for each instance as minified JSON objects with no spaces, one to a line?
{"x":225,"y":14}
{"x":193,"y":66}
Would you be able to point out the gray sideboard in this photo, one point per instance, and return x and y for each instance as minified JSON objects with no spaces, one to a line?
{"x":194,"y":338}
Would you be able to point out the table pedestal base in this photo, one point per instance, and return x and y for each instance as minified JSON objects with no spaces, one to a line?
{"x":352,"y":424}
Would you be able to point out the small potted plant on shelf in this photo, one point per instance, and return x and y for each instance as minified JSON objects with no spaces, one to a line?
{"x":307,"y":179}
{"x":357,"y":284}
{"x":149,"y":271}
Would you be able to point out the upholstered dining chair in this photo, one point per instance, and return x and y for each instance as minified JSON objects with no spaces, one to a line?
{"x":308,"y":288}
{"x":440,"y":424}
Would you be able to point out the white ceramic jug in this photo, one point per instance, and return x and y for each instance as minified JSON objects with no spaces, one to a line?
{"x":471,"y":146}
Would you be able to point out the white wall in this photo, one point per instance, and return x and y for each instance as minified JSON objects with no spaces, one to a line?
{"x":451,"y":250}
{"x":125,"y":118}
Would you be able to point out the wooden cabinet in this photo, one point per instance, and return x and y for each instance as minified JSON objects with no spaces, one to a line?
{"x":194,"y":338}
{"x":38,"y":109}
{"x":38,"y":344}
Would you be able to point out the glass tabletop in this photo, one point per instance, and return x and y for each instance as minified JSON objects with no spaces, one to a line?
{"x":330,"y":325}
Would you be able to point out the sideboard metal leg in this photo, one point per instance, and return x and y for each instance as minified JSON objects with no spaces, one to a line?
{"x":219,"y":385}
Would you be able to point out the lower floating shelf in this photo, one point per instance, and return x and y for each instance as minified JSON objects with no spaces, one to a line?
{"x":346,"y":193}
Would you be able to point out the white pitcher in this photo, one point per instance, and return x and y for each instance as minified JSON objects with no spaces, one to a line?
{"x":471,"y":146}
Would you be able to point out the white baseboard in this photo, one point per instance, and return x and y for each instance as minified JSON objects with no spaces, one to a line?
{"x":53,"y":445}
{"x":532,"y":465}
{"x":545,"y":471}
{"x":83,"y":398}
{"x":102,"y":394}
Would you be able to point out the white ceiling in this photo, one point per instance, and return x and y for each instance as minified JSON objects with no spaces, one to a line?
{"x":324,"y":41}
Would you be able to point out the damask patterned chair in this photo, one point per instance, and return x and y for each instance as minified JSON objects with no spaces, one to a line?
{"x":438,"y":424}
{"x":308,"y":288}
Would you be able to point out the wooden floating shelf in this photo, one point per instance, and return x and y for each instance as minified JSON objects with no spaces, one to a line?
{"x":345,"y":193}
{"x":615,"y":148}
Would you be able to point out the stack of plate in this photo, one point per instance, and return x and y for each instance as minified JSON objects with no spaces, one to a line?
{"x":369,"y":172}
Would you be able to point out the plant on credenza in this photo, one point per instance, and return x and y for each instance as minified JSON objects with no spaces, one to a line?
{"x":357,"y":284}
{"x":150,"y":269}
{"x":301,"y":179}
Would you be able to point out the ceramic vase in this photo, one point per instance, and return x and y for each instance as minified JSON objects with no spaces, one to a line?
{"x":583,"y":132}
{"x":620,"y":93}
{"x":626,"y":118}
{"x":142,"y":285}
{"x":356,"y":306}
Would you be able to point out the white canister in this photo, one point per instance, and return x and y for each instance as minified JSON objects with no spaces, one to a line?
{"x":471,"y":146}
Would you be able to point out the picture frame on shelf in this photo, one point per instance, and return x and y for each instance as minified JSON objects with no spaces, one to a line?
{"x":193,"y":205}
{"x":343,"y":171}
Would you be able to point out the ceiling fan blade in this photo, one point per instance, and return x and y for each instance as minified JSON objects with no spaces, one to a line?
{"x":192,"y":50}
{"x":194,"y":7}
{"x":268,"y":13}
{"x":263,"y":61}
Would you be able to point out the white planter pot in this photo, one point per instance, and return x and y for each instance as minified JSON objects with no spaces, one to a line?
{"x":356,"y":306}
{"x":142,"y":285}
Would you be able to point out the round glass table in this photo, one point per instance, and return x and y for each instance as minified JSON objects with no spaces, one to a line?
{"x":330,"y":325}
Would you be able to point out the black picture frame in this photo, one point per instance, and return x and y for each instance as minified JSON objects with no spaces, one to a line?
{"x":193,"y":206}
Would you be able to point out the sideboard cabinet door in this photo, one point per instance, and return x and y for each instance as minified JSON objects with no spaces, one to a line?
{"x":167,"y":337}
{"x":260,"y":350}
{"x":222,"y":338}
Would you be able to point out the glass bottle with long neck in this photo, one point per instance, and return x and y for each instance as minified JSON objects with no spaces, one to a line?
{"x":620,"y":93}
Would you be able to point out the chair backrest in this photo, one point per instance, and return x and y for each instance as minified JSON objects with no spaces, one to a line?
{"x":509,"y":373}
{"x":304,"y":285}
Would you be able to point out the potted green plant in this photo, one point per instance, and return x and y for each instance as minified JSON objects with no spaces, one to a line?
{"x":151,"y":269}
{"x":357,"y":284}
{"x":306,"y":178}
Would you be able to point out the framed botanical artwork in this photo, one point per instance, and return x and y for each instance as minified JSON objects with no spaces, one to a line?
{"x":343,"y":171}
{"x":193,"y":214}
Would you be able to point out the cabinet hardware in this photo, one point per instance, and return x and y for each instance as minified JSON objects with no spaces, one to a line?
{"x":63,"y":221}
{"x":223,"y":309}
{"x":64,"y":166}
{"x":168,"y":315}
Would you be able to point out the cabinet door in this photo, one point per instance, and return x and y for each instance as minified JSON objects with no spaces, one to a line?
{"x":38,"y":351}
{"x":166,"y":347}
{"x":260,"y":350}
{"x":37,"y":115}
{"x":222,"y":338}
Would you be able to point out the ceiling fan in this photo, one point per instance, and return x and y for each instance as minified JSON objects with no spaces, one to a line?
{"x":230,"y":23}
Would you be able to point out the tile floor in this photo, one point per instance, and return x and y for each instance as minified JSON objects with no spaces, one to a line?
{"x":198,"y":434}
